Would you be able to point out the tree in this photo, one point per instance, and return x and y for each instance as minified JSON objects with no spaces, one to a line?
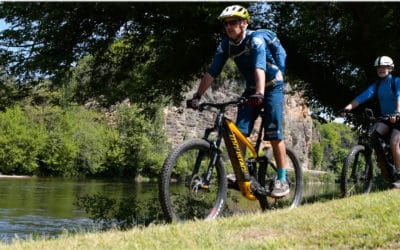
{"x":156,"y":49}
{"x":166,"y":43}
{"x":332,"y":45}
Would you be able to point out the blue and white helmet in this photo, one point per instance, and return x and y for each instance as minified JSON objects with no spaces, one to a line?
{"x":384,"y":61}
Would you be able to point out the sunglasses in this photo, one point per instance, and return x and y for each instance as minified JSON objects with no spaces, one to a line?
{"x":232,"y":22}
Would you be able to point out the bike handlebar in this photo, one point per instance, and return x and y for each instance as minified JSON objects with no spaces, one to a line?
{"x":369,"y":115}
{"x":222,"y":105}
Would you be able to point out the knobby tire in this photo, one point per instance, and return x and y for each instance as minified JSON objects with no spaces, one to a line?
{"x":179,"y":198}
{"x":294,"y":176}
{"x":356,"y":177}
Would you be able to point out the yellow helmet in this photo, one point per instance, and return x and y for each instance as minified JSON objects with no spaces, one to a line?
{"x":235,"y":11}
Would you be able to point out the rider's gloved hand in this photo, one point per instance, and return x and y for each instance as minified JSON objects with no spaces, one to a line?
{"x":194,"y":102}
{"x":394,"y":117}
{"x":344,"y":112}
{"x":255,"y":100}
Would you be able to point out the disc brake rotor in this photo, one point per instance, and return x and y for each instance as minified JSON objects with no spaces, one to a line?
{"x":196,"y":188}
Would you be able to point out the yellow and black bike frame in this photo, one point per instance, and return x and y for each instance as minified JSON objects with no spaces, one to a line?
{"x":229,"y":132}
{"x":232,"y":136}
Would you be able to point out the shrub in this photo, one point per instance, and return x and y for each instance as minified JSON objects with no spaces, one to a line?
{"x":78,"y":141}
{"x":143,"y":140}
{"x":317,"y":152}
{"x":21,"y":139}
{"x":336,"y":140}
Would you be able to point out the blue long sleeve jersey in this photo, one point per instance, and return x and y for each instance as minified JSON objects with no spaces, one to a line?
{"x":386,"y":97}
{"x":259,"y":49}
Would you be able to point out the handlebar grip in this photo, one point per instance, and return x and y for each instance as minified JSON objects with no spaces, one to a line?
{"x":188,"y":103}
{"x":345,"y":111}
{"x":201,"y":107}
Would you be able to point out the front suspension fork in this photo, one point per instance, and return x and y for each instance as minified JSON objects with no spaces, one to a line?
{"x":203,"y":182}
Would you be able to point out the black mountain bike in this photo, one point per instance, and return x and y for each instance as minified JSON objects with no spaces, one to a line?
{"x":358,"y":169}
{"x":193,"y":182}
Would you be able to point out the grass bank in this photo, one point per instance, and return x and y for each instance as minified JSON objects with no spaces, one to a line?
{"x":365,"y":221}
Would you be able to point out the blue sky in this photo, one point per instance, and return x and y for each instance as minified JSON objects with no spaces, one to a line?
{"x":3,"y":24}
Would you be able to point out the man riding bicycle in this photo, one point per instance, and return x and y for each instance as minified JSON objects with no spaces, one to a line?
{"x":387,"y":90}
{"x":260,"y":58}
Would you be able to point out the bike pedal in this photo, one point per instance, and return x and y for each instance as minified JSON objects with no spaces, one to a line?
{"x":259,"y":190}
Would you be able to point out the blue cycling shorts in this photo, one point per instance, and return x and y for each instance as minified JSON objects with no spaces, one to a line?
{"x":273,"y":113}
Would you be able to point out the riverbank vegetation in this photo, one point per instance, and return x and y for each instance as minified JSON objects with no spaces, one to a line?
{"x":359,"y":222}
{"x":331,"y":146}
{"x":77,"y":142}
{"x":49,"y":132}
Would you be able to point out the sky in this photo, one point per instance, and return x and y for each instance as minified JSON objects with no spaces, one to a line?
{"x":3,"y":24}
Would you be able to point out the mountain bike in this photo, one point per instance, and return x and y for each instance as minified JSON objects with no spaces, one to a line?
{"x":193,"y":181}
{"x":358,"y":169}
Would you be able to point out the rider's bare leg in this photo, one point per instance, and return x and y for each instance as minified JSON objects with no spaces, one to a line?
{"x":380,"y":131}
{"x":395,"y":147}
{"x":382,"y":128}
{"x":281,"y":187}
{"x":279,"y":149}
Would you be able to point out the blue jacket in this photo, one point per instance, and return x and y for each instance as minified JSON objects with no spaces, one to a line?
{"x":259,"y":49}
{"x":387,"y":99}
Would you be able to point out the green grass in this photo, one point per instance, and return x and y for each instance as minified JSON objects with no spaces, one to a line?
{"x":364,"y":221}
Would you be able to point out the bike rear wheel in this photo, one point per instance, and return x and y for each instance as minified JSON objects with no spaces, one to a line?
{"x":357,"y":172}
{"x":182,"y":191}
{"x":268,"y":172}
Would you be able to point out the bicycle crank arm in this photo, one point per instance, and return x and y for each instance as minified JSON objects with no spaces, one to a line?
{"x":259,"y":190}
{"x":246,"y":191}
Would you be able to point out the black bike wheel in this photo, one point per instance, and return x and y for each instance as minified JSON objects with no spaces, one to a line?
{"x":357,"y":173}
{"x":268,"y":172}
{"x":181,"y":191}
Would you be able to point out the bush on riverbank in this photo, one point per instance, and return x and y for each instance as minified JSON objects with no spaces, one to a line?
{"x":76,"y":142}
{"x":21,"y":141}
{"x":330,"y":150}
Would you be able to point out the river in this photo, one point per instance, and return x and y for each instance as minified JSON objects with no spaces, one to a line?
{"x":35,"y":207}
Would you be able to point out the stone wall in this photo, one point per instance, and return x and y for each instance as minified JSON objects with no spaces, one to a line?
{"x":182,"y":123}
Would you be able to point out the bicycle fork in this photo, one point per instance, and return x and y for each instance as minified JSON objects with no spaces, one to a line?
{"x":203,"y":182}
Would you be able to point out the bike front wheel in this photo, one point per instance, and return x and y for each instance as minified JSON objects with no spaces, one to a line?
{"x":357,"y":172}
{"x":183,"y":191}
{"x":294,"y":175}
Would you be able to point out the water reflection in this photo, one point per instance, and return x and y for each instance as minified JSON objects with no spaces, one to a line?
{"x":319,"y":192}
{"x":37,"y":207}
